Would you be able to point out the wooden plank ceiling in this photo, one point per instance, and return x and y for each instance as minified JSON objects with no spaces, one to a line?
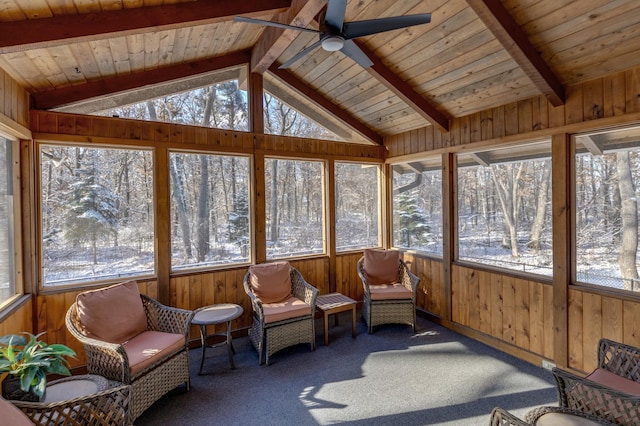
{"x":474,"y":55}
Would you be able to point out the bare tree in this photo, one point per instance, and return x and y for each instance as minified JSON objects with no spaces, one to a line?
{"x":541,"y":208}
{"x":629,"y":209}
{"x":507,"y":189}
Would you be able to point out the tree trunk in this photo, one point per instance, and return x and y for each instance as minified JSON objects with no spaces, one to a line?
{"x":629,"y":213}
{"x":541,"y":208}
{"x":202,"y":236}
{"x":273,"y":202}
{"x":181,"y":205}
{"x":507,"y":189}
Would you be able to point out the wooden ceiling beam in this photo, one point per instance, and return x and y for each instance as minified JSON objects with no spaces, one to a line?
{"x":340,"y":113}
{"x":65,"y":29}
{"x":496,"y":17}
{"x":68,"y":95}
{"x":274,"y":41}
{"x":404,"y":91}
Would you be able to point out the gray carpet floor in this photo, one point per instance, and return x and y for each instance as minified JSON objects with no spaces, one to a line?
{"x":390,"y":377}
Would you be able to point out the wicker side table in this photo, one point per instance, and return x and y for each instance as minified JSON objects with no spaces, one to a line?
{"x":212,"y":315}
{"x":79,"y":401}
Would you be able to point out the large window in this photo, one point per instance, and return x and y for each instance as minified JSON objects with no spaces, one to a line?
{"x":7,"y":264}
{"x":417,"y":206}
{"x":97,"y":219}
{"x":607,"y":168}
{"x":357,"y":206}
{"x":504,"y":208}
{"x":294,"y":207}
{"x":209,"y":210}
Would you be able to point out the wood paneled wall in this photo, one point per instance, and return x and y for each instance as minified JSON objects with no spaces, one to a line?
{"x":14,"y":101}
{"x":517,"y":313}
{"x":613,"y":96}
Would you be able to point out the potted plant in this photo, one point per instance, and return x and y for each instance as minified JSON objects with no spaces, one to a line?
{"x":25,"y":361}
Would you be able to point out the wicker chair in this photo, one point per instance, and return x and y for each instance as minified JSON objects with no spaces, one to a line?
{"x":110,"y":360}
{"x":501,"y":417}
{"x":588,"y":396}
{"x":390,"y":311}
{"x":109,"y":406}
{"x":272,"y":336}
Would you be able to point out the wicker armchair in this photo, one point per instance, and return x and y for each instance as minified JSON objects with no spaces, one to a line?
{"x":546,"y":415}
{"x":112,"y":361}
{"x":590,"y":397}
{"x":389,"y":311}
{"x":109,"y":406}
{"x":270,"y":335}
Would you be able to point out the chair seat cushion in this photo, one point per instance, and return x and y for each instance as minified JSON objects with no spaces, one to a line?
{"x":381,"y":266}
{"x":149,"y":347}
{"x":112,"y":314}
{"x":612,"y":380}
{"x":290,"y":308}
{"x":389,"y":292}
{"x":12,"y":415}
{"x":563,"y":419}
{"x":271,"y":282}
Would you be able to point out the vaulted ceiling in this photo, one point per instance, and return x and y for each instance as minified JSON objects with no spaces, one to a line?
{"x":87,"y":55}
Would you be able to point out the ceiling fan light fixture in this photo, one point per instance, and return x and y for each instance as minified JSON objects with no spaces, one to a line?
{"x":332,"y":43}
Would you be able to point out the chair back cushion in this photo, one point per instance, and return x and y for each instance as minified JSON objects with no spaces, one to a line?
{"x":612,"y":380}
{"x":271,"y":282}
{"x":112,"y":314}
{"x":381,"y":266}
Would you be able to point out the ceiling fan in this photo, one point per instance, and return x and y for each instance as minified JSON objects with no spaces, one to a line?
{"x":335,"y":34}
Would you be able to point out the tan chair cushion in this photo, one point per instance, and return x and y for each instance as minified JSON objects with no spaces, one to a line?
{"x":271,"y":282}
{"x":381,"y":266}
{"x":12,"y":415}
{"x":112,"y":314}
{"x":150,"y":347}
{"x":290,"y":308}
{"x":612,"y":380}
{"x":563,"y":419}
{"x":389,"y":292}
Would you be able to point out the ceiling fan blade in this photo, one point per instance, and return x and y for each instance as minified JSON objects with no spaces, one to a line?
{"x":354,"y":52}
{"x":299,"y":55}
{"x":334,"y":17}
{"x":273,"y":24}
{"x":357,"y":29}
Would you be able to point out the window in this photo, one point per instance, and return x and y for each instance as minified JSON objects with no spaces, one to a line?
{"x":97,"y":219}
{"x":607,"y":168}
{"x":294,"y":207}
{"x":7,"y":261}
{"x":357,"y":206}
{"x":417,"y":206}
{"x":504,"y":208}
{"x":222,"y":105}
{"x":209,"y":210}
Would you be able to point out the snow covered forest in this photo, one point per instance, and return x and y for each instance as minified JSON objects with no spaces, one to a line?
{"x":7,"y":283}
{"x":98,"y":203}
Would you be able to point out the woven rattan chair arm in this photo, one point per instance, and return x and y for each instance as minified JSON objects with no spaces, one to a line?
{"x":363,"y":277}
{"x":302,"y":289}
{"x":110,"y":406}
{"x":533,"y":415}
{"x":501,"y":417}
{"x":587,"y":396}
{"x":103,"y":358}
{"x":256,"y":303}
{"x":408,"y":278}
{"x":166,"y":318}
{"x":619,"y":358}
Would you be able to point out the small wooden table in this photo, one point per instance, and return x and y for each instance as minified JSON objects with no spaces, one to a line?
{"x":216,"y":314}
{"x":334,"y":303}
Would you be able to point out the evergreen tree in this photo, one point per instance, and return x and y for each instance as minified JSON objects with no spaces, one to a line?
{"x":411,"y":222}
{"x":239,"y":221}
{"x":92,"y":213}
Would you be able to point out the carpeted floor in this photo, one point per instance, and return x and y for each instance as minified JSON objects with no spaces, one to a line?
{"x":390,"y":377}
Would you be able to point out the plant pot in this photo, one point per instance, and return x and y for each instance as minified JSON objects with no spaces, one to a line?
{"x":11,"y":390}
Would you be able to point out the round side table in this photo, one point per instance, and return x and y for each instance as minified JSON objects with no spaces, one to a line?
{"x":216,"y":314}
